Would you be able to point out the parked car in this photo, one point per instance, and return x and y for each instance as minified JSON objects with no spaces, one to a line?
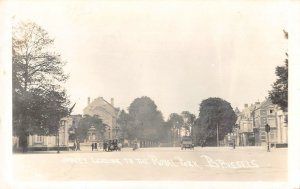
{"x":114,"y":145}
{"x":187,"y":142}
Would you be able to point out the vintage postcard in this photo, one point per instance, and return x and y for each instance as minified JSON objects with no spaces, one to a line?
{"x":144,"y":94}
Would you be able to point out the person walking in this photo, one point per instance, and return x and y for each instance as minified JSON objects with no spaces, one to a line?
{"x":92,"y":146}
{"x":75,"y":146}
{"x":105,"y":146}
{"x":78,"y":145}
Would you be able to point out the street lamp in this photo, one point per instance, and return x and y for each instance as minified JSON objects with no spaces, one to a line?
{"x":234,"y":138}
{"x":173,"y":133}
{"x":217,"y":134}
{"x":267,"y":129}
{"x":59,"y":125}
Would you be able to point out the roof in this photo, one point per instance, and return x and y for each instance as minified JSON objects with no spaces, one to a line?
{"x":100,"y":102}
{"x":265,"y":103}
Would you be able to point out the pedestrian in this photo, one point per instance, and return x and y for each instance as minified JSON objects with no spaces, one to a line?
{"x":95,"y":146}
{"x":74,"y":146}
{"x":78,"y":145}
{"x":92,"y":146}
{"x":104,"y":145}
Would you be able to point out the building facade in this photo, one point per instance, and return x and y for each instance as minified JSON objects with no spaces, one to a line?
{"x":265,"y":114}
{"x":67,"y":124}
{"x":106,"y":112}
{"x":270,"y":114}
{"x":251,"y":122}
{"x":282,"y":127}
{"x":245,"y":125}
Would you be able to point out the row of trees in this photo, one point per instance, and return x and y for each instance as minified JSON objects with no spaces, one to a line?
{"x":144,"y":122}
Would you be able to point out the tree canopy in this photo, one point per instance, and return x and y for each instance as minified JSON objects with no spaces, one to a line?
{"x":39,"y":100}
{"x":124,"y":121}
{"x":214,"y":112}
{"x":279,"y":92}
{"x":188,"y":120}
{"x":176,"y":120}
{"x":146,"y":121}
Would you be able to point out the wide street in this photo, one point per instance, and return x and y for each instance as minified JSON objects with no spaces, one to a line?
{"x":201,"y":164}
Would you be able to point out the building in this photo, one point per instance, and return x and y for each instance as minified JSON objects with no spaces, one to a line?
{"x":106,"y":112}
{"x":42,"y":142}
{"x":245,"y":125}
{"x":271,"y":114}
{"x":282,"y":128}
{"x":250,"y":125}
{"x":265,"y":114}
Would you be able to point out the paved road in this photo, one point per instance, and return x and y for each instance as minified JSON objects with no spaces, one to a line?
{"x":201,"y":164}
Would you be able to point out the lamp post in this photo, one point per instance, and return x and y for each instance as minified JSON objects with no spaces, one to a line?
{"x":217,"y":134}
{"x":59,"y":125}
{"x":267,"y":129}
{"x":234,"y":137}
{"x":173,"y":134}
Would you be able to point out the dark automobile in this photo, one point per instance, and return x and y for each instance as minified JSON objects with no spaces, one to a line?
{"x":187,"y":142}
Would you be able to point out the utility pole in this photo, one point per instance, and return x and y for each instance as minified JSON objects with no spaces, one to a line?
{"x":58,"y":141}
{"x":267,"y":129}
{"x":268,"y":142}
{"x":217,"y":134}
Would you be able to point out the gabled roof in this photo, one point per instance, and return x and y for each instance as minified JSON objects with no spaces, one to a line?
{"x":265,"y":103}
{"x":101,"y":103}
{"x":237,"y":111}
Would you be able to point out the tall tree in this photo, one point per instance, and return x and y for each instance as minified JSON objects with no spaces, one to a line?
{"x":39,"y":101}
{"x":176,"y":122}
{"x":188,"y":119}
{"x":147,"y":121}
{"x":279,"y":93}
{"x":124,"y":121}
{"x":215,"y":114}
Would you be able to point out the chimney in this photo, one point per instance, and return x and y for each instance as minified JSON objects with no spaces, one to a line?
{"x":246,"y":106}
{"x":112,"y":101}
{"x":89,"y":100}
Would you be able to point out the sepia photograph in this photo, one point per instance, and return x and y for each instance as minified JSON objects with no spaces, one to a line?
{"x":147,"y":94}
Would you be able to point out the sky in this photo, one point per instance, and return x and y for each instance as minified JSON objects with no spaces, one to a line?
{"x":178,"y":53}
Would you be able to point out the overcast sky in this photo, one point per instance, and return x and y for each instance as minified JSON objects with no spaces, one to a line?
{"x":178,"y":53}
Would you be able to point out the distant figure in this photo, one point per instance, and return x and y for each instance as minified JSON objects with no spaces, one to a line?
{"x":92,"y":146}
{"x":233,"y":144}
{"x":119,"y":146}
{"x":104,"y":146}
{"x":78,"y":145}
{"x":75,"y":146}
{"x":95,"y":146}
{"x":135,"y":144}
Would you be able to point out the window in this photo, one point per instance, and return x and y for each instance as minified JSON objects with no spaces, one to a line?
{"x":39,"y":139}
{"x":271,"y":111}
